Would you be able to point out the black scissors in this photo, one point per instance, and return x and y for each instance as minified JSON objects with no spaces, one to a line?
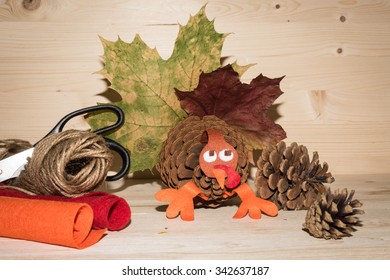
{"x":12,"y":166}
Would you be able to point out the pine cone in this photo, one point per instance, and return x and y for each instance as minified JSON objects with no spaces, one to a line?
{"x":179,"y":159}
{"x":287,"y":177}
{"x":333,"y":216}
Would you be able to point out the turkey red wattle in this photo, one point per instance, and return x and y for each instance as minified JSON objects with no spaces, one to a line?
{"x":233,"y":178}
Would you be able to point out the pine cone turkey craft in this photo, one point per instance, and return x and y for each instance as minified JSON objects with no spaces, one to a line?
{"x":179,"y":160}
{"x":205,"y":160}
{"x":288,"y":177}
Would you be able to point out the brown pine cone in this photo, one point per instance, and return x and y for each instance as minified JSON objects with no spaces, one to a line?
{"x":333,"y":216}
{"x":287,"y":176}
{"x":179,"y":159}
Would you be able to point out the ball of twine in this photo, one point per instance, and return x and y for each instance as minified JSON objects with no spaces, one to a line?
{"x":69,"y":163}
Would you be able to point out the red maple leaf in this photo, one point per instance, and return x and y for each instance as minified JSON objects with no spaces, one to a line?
{"x":243,"y":106}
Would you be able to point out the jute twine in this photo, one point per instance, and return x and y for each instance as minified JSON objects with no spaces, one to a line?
{"x":69,"y":163}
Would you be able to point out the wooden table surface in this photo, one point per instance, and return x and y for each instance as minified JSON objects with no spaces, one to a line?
{"x":216,"y":235}
{"x":335,"y":56}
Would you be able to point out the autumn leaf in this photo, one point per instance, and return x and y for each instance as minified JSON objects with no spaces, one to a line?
{"x":243,"y":106}
{"x":146,"y":85}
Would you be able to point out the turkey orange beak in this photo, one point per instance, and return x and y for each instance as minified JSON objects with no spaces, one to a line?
{"x":222,"y":171}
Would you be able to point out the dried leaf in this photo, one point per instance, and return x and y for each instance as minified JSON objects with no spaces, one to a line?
{"x":243,"y":106}
{"x":146,"y":84}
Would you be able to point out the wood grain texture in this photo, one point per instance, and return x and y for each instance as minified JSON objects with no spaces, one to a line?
{"x":335,"y":55}
{"x":216,"y":235}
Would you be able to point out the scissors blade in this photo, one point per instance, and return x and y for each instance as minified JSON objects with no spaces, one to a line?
{"x":11,"y":167}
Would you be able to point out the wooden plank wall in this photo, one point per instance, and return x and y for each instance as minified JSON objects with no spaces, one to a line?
{"x":335,"y":55}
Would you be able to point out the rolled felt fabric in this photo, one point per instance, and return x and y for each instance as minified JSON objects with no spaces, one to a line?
{"x":53,"y":222}
{"x":110,"y":211}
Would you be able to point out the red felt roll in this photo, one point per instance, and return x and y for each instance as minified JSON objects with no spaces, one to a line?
{"x":109,"y":211}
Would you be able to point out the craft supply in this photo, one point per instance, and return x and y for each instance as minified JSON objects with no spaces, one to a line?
{"x":69,"y":163}
{"x":334,"y":215}
{"x":78,"y":156}
{"x":53,"y":222}
{"x":110,"y":211}
{"x":288,"y":177}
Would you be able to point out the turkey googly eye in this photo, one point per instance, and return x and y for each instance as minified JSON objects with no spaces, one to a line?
{"x":210,"y":156}
{"x":226,"y":155}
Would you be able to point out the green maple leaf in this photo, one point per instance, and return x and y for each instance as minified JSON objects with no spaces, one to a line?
{"x":147,"y":83}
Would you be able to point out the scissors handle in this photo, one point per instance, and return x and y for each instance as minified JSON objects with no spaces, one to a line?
{"x":125,"y":156}
{"x":112,"y":145}
{"x":103,"y":107}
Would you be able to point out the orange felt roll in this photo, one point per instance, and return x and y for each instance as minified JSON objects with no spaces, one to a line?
{"x":54,"y":222}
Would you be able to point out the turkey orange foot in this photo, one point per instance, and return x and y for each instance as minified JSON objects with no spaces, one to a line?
{"x":181,"y":202}
{"x":253,"y":204}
